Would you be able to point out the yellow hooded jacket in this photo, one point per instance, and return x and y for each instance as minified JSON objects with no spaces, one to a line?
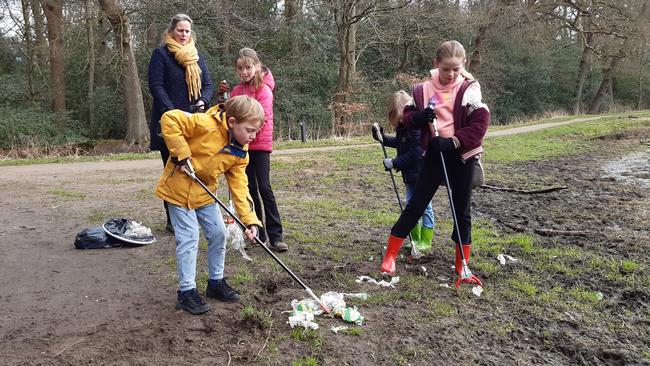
{"x":202,"y":136}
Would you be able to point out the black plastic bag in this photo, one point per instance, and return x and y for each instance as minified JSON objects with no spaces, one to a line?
{"x":95,"y":238}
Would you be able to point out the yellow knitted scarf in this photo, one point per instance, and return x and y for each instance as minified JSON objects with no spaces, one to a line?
{"x":188,"y":57}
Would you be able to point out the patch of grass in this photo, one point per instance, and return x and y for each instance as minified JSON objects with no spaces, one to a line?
{"x":242,"y":276}
{"x":203,"y":244}
{"x":65,"y":193}
{"x":100,"y":216}
{"x":170,"y":261}
{"x":251,"y":314}
{"x":202,"y":281}
{"x":562,"y":140}
{"x":440,"y":309}
{"x":585,"y":296}
{"x":522,"y":283}
{"x":353,"y":331}
{"x":310,"y":336}
{"x":306,"y":361}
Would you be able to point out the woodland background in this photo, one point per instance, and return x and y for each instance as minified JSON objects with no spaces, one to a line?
{"x":74,"y":72}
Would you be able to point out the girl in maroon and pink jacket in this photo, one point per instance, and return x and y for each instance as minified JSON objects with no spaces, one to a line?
{"x":462,"y":122}
{"x":257,"y":81}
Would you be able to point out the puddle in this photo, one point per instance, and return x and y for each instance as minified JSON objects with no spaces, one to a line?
{"x":630,"y":169}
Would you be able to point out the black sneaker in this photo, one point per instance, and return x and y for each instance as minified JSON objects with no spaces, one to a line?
{"x":219,"y":289}
{"x":191,"y":302}
{"x":170,"y":228}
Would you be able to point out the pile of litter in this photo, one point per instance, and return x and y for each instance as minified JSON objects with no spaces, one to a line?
{"x":305,"y":310}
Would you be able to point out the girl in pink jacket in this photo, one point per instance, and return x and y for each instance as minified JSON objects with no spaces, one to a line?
{"x":257,"y":81}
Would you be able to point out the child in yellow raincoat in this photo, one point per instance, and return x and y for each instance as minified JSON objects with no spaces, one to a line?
{"x":216,"y":143}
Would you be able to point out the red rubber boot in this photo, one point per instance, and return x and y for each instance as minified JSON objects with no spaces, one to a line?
{"x":392,"y":249}
{"x":464,"y":274}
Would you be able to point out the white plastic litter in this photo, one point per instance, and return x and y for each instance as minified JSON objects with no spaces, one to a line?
{"x":477,"y":290}
{"x":445,"y":285}
{"x":599,"y":296}
{"x":339,"y":328}
{"x":358,"y":295}
{"x":137,"y":231}
{"x":424,"y":270}
{"x":503,"y":258}
{"x":381,"y":283}
{"x":333,"y":301}
{"x":234,"y":235}
{"x":303,"y":319}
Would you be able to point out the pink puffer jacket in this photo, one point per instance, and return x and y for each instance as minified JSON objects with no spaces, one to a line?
{"x":264,"y":139}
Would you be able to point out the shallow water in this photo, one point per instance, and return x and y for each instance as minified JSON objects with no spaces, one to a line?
{"x":630,"y":169}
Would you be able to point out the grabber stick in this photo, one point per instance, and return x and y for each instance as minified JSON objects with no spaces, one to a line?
{"x":189,"y":170}
{"x":415,"y":253}
{"x":465,"y":274}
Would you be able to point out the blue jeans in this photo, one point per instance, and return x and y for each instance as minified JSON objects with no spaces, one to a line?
{"x":428,"y":220}
{"x":186,"y":229}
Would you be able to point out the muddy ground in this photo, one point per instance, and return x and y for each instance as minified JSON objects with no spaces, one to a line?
{"x":62,"y":306}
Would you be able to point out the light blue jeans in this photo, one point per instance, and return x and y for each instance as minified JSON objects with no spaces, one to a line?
{"x":428,"y":220}
{"x":186,"y":229}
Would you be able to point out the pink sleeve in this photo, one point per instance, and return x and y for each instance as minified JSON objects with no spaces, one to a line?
{"x":265,"y":97}
{"x":237,"y":90}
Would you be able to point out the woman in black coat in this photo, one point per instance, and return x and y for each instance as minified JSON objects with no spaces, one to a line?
{"x":178,"y":79}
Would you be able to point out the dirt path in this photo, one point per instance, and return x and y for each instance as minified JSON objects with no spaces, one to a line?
{"x":61,"y":305}
{"x":80,"y":168}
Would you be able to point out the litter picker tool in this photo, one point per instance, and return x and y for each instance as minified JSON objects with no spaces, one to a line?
{"x":189,"y":170}
{"x":465,"y":274}
{"x":415,"y":253}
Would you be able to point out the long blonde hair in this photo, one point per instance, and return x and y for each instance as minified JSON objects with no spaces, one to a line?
{"x":396,"y":103}
{"x":453,"y":49}
{"x":250,"y":58}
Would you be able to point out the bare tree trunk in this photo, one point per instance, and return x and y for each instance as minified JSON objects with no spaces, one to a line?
{"x":585,"y":63}
{"x":40,"y":46}
{"x":103,"y":28}
{"x":136,"y":120}
{"x":583,"y":69}
{"x":224,"y":8}
{"x":90,"y":29}
{"x":482,"y":32}
{"x":643,"y":61}
{"x":612,"y":64}
{"x":54,"y":13}
{"x":292,"y":14}
{"x":29,"y":46}
{"x":342,"y":82}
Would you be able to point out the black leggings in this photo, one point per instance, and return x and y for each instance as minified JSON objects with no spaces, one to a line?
{"x":259,"y":184}
{"x":431,"y":176}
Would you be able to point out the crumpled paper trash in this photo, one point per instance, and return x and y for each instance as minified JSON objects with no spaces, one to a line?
{"x":381,"y":283}
{"x":477,"y":290}
{"x":503,"y":258}
{"x":339,"y":328}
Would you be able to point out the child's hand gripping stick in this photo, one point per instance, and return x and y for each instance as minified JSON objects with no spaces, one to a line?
{"x":434,"y":122}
